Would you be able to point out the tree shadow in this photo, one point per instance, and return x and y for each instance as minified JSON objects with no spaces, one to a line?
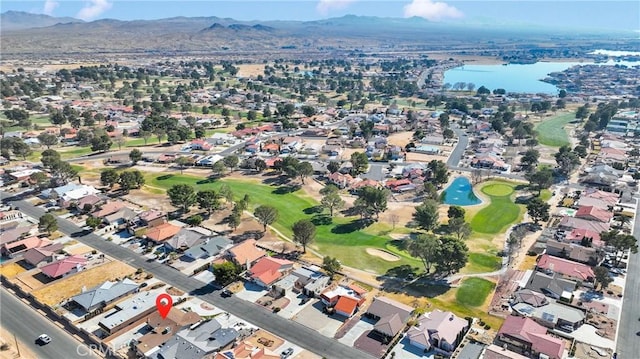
{"x":207,"y":180}
{"x":165,"y":177}
{"x":276,"y":180}
{"x":286,"y":189}
{"x":521,"y":187}
{"x":321,"y":220}
{"x":352,"y":226}
{"x":247,"y":235}
{"x":313,"y":210}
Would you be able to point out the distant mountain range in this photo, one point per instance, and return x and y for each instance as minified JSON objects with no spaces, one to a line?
{"x":41,"y":35}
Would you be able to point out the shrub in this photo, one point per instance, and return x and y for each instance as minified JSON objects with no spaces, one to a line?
{"x":139,"y":271}
{"x":487,"y":327}
{"x":149,"y":276}
{"x":276,"y":309}
{"x":94,"y":252}
{"x":481,"y":323}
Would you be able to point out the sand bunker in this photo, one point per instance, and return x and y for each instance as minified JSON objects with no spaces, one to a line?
{"x":387,"y":256}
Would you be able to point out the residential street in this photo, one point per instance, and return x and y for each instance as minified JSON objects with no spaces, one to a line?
{"x":27,"y":324}
{"x":628,"y":345}
{"x":289,"y":330}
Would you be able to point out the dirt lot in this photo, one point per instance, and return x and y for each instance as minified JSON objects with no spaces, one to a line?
{"x":64,"y":288}
{"x":585,"y":351}
{"x":261,"y":336}
{"x":247,"y":70}
{"x":10,"y":270}
{"x":11,"y":352}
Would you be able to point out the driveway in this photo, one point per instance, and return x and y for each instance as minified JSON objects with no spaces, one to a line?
{"x":405,"y":350}
{"x":294,"y":306}
{"x":313,"y":317}
{"x":587,"y":334}
{"x":363,"y":325}
{"x":251,"y":292}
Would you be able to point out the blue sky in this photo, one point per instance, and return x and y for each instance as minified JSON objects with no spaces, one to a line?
{"x":585,"y":14}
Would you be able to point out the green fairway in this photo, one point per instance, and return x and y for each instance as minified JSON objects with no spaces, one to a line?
{"x":482,"y":262}
{"x":551,"y":132}
{"x":474,"y":291}
{"x":501,"y":212}
{"x":341,"y":238}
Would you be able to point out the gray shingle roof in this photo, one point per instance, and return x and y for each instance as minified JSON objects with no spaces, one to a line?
{"x":105,"y":292}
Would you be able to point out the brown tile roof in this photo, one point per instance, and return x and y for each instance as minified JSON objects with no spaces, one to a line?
{"x":566,"y":267}
{"x":246,"y":252}
{"x":529,"y":331}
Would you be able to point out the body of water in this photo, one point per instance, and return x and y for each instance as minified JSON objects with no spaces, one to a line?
{"x":460,"y":193}
{"x":515,"y":77}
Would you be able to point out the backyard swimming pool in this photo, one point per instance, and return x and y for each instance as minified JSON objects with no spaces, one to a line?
{"x":460,"y":193}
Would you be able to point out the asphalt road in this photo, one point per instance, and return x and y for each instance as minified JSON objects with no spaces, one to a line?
{"x":27,"y":324}
{"x":458,"y":151}
{"x":292,"y":331}
{"x":628,"y":345}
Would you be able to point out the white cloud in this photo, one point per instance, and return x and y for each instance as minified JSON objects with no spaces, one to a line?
{"x":93,"y":8}
{"x":433,"y":11}
{"x":324,"y":6}
{"x":49,"y":6}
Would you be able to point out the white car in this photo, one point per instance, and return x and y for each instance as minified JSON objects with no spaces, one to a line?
{"x":44,"y":339}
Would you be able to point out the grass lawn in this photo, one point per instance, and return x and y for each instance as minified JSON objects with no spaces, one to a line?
{"x":474,"y":291}
{"x":341,"y":238}
{"x":501,"y":212}
{"x":73,"y":152}
{"x":545,"y":195}
{"x":482,"y":262}
{"x":551,"y":132}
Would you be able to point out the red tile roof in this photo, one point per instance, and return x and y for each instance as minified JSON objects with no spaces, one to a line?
{"x":108,"y":208}
{"x":527,"y":330}
{"x":566,"y":267}
{"x":346,"y":305}
{"x":63,"y":266}
{"x":162,"y":232}
{"x":269,"y":269}
{"x":595,"y":213}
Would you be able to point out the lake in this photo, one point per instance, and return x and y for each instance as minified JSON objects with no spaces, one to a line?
{"x":460,"y":193}
{"x":515,"y":77}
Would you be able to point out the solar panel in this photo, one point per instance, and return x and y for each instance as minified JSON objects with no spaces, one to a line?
{"x":548,"y":317}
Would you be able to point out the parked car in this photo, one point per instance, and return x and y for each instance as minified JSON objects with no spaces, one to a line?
{"x":226,"y":293}
{"x":43,"y":339}
{"x":286,"y":353}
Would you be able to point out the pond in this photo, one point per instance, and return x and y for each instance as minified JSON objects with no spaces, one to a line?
{"x":460,"y":193}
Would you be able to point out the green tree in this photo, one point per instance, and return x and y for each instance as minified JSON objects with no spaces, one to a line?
{"x":182,"y":196}
{"x":304,"y":232}
{"x":331,"y":265}
{"x":101,"y":143}
{"x":304,"y":169}
{"x":146,"y":135}
{"x":48,"y":223}
{"x":218,"y":168}
{"x":439,"y":172}
{"x":234,"y":220}
{"x":372,"y":201}
{"x":538,"y":210}
{"x":332,"y":201}
{"x":567,"y":160}
{"x":93,"y":222}
{"x":529,"y":160}
{"x":360,"y":163}
{"x":426,"y":215}
{"x":225,"y":273}
{"x":266,"y":215}
{"x":109,"y":177}
{"x":540,"y":179}
{"x":131,"y":180}
{"x":620,"y":242}
{"x":455,"y":212}
{"x":183,"y":162}
{"x":208,"y":200}
{"x":40,"y":179}
{"x":135,"y":155}
{"x":459,"y":227}
{"x":21,"y":149}
{"x":48,"y":139}
{"x":231,"y":162}
{"x":425,"y":247}
{"x":194,"y":220}
{"x":453,"y":255}
{"x":602,"y":277}
{"x":333,"y":166}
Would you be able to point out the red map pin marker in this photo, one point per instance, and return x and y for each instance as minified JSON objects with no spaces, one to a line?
{"x":164,"y":304}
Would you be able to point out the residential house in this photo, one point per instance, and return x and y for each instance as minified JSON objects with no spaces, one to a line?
{"x":40,"y":256}
{"x":524,"y":335}
{"x":340,"y":180}
{"x":64,"y":267}
{"x":183,"y":240}
{"x":246,"y":350}
{"x":22,"y":175}
{"x":87,"y":203}
{"x":162,"y":232}
{"x":161,"y":330}
{"x":104,"y":294}
{"x":346,"y":306}
{"x":489,"y":160}
{"x":391,"y":316}
{"x":438,"y":330}
{"x":200,"y":144}
{"x":108,"y":208}
{"x":578,"y":223}
{"x":593,"y":213}
{"x":6,"y":216}
{"x":312,"y":281}
{"x":128,"y":312}
{"x":574,"y":252}
{"x":21,"y":245}
{"x":570,"y":269}
{"x":246,"y":253}
{"x":58,"y":192}
{"x":197,"y":341}
{"x":584,"y":236}
{"x":267,"y":270}
{"x":345,"y":300}
{"x":14,"y":231}
{"x":551,"y":314}
{"x":121,"y":217}
{"x":497,"y":352}
{"x":208,"y":247}
{"x":553,"y":286}
{"x":529,"y":297}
